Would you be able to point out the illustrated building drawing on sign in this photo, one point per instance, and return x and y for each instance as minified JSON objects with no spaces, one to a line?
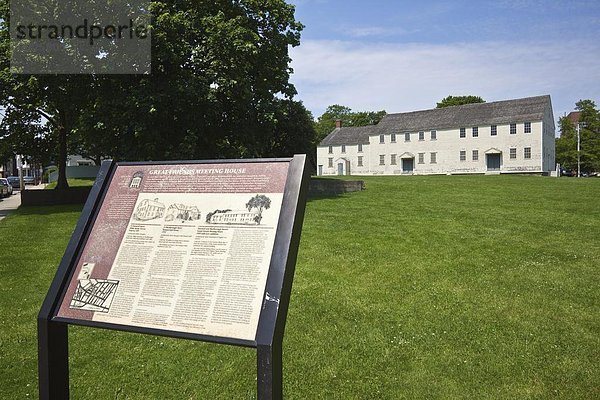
{"x":255,"y":207}
{"x":136,"y":180}
{"x":182,"y":212}
{"x":511,"y":136}
{"x":149,"y":209}
{"x":233,"y":217}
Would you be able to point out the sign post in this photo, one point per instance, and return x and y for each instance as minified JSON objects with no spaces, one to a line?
{"x":201,"y":250}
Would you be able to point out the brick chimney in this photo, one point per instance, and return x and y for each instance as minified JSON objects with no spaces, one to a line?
{"x":338,"y":123}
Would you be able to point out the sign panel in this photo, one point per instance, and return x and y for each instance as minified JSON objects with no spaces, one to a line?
{"x":180,"y":247}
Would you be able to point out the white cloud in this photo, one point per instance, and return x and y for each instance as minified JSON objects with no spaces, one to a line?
{"x":368,"y":31}
{"x":406,"y":77}
{"x":553,"y":5}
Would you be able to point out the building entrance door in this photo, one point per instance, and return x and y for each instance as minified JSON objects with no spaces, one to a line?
{"x":340,"y":168}
{"x":408,"y":165}
{"x":493,"y":162}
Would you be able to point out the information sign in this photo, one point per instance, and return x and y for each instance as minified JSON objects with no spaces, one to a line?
{"x":202,"y":250}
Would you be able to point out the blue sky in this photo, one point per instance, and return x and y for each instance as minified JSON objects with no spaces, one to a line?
{"x":407,"y":55}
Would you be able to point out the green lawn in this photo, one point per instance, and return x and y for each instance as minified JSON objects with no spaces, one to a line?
{"x":417,"y":288}
{"x":73,"y":182}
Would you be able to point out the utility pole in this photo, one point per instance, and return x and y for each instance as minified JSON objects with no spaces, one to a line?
{"x":578,"y":152}
{"x":20,"y":166}
{"x":579,"y":126}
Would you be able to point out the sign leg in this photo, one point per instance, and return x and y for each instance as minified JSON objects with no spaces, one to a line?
{"x":270,"y":372}
{"x":53,"y":360}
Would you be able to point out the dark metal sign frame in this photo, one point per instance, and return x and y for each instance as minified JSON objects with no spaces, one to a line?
{"x":53,"y":365}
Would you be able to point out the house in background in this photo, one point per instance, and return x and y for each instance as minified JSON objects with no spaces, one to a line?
{"x":511,"y":136}
{"x":7,"y":168}
{"x":89,"y":170}
{"x":10,"y":167}
{"x":77,"y":167}
{"x":76,"y":160}
{"x":574,"y":116}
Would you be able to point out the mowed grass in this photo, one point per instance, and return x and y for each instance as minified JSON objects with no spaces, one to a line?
{"x":450,"y":287}
{"x":416,"y":288}
{"x":73,"y":182}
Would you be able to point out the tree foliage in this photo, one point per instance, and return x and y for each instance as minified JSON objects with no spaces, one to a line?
{"x":326,"y":122}
{"x":589,"y":134}
{"x":219,"y":88}
{"x":291,"y":131}
{"x":566,"y":144}
{"x":459,"y":101}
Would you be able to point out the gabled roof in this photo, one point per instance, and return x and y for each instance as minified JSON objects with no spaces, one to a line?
{"x":468,"y":115}
{"x":349,"y":135}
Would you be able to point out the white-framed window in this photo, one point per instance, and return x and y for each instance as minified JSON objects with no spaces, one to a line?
{"x":527,"y":153}
{"x":343,"y":148}
{"x":475,"y":155}
{"x":360,"y":162}
{"x":382,"y":159}
{"x":393,"y":159}
{"x":527,"y":127}
{"x":433,"y":158}
{"x":463,"y":132}
{"x":475,"y":131}
{"x":493,"y":130}
{"x":382,"y":138}
{"x":407,"y":137}
{"x":360,"y":148}
{"x":513,"y":129}
{"x":463,"y":155}
{"x":330,"y":162}
{"x":393,"y":138}
{"x":330,"y":149}
{"x":513,"y":153}
{"x":433,"y":135}
{"x":421,"y":158}
{"x":421,"y":135}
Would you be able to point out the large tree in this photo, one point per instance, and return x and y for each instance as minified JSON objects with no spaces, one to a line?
{"x":219,"y":87}
{"x":291,"y":131}
{"x":326,"y":122}
{"x":589,"y":136}
{"x":459,"y":101}
{"x":566,"y":144}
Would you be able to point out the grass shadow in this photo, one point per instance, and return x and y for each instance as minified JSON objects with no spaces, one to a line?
{"x":320,"y":196}
{"x":46,"y":210}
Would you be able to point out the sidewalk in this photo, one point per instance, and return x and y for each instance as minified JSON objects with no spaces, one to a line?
{"x":10,"y":204}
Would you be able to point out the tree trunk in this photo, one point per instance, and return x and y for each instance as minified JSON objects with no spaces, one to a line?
{"x":62,"y":184}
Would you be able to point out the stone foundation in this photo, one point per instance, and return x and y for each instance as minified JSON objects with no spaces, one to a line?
{"x":328,"y":187}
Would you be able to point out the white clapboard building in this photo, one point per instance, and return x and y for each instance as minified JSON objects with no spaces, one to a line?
{"x":511,"y":136}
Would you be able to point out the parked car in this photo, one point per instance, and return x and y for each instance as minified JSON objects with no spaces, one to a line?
{"x":10,"y":188}
{"x":14,"y":181}
{"x":5,"y":188}
{"x":28,"y":180}
{"x":566,"y":172}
